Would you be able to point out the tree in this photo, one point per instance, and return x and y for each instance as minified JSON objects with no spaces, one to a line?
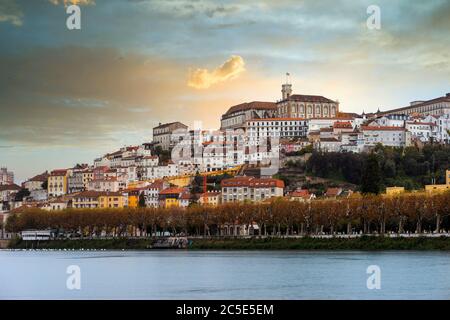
{"x":371,"y":181}
{"x":141,"y":203}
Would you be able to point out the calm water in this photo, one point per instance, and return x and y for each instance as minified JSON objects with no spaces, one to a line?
{"x":224,"y":275}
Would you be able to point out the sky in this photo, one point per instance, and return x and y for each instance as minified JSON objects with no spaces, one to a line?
{"x":69,"y":96}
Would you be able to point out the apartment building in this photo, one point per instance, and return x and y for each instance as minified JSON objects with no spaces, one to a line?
{"x":250,"y":189}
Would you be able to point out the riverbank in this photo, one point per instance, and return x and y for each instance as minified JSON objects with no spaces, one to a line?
{"x":361,"y":243}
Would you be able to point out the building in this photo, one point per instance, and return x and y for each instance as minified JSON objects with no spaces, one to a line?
{"x":301,"y":195}
{"x":420,"y":130}
{"x":57,"y":183}
{"x":171,"y":197}
{"x":163,"y":134}
{"x":440,"y":187}
{"x":95,"y":199}
{"x":250,"y":189}
{"x":258,"y":130}
{"x":305,"y":106}
{"x":105,"y":184}
{"x":333,"y":192}
{"x":37,"y":182}
{"x":390,"y":120}
{"x":151,"y":193}
{"x":392,"y":191}
{"x":7,"y":191}
{"x":238,"y":115}
{"x":436,"y":106}
{"x":209,"y":199}
{"x":6,"y":177}
{"x":388,"y":136}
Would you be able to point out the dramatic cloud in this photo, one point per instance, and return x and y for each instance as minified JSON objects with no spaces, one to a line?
{"x":10,"y":12}
{"x":203,"y":78}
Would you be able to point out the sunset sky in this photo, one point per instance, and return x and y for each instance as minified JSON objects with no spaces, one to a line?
{"x":67,"y":97}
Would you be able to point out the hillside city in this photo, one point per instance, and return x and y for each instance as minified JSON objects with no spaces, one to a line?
{"x":262,"y":150}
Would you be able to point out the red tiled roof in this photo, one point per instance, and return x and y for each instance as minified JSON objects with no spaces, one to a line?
{"x":300,"y":193}
{"x":344,"y":124}
{"x":172,"y":190}
{"x":40,"y":177}
{"x":10,"y":187}
{"x":96,"y":194}
{"x":59,"y":172}
{"x":277,"y":119}
{"x":380,"y":128}
{"x":332,"y":192}
{"x":257,"y":105}
{"x":309,"y":98}
{"x":252,"y":182}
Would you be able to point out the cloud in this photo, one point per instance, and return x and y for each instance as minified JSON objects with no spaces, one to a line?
{"x":203,"y":78}
{"x":10,"y":12}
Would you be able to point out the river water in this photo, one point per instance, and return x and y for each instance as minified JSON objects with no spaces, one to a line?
{"x":223,"y":275}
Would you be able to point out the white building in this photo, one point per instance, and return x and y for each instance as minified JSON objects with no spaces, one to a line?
{"x":250,"y":189}
{"x":101,"y":185}
{"x":163,"y":134}
{"x":390,"y":120}
{"x":437,"y":106}
{"x":258,"y":130}
{"x":420,"y":130}
{"x":388,"y":136}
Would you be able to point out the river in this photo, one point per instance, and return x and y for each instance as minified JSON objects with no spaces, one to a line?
{"x":223,"y":275}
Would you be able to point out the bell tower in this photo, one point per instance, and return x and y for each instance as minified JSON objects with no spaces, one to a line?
{"x":286,"y":89}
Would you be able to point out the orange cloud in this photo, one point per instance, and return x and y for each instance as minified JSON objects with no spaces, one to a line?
{"x":203,"y":78}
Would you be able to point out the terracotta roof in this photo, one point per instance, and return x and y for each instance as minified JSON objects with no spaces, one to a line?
{"x":173,"y":190}
{"x":96,"y":194}
{"x":333,"y":192}
{"x":252,"y":182}
{"x":185,"y":195}
{"x":380,"y":128}
{"x":309,"y":98}
{"x":40,"y":177}
{"x":59,"y":172}
{"x":343,"y":124}
{"x":278,"y":119}
{"x":164,"y":125}
{"x":257,"y":105}
{"x":10,"y":187}
{"x":445,"y":98}
{"x":300,"y":193}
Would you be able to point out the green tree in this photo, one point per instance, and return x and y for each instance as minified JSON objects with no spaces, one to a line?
{"x":141,"y":203}
{"x":371,"y":177}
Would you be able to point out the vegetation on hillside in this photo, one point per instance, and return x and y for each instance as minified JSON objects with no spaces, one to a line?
{"x":409,"y":167}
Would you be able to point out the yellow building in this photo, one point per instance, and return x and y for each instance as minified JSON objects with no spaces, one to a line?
{"x":111,"y":200}
{"x":171,"y":197}
{"x":392,"y":191}
{"x":133,"y":198}
{"x":57,"y":183}
{"x":87,"y":177}
{"x":96,"y":199}
{"x":440,"y":187}
{"x":209,"y":198}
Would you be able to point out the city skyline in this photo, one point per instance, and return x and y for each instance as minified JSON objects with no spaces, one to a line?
{"x":70,"y":96}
